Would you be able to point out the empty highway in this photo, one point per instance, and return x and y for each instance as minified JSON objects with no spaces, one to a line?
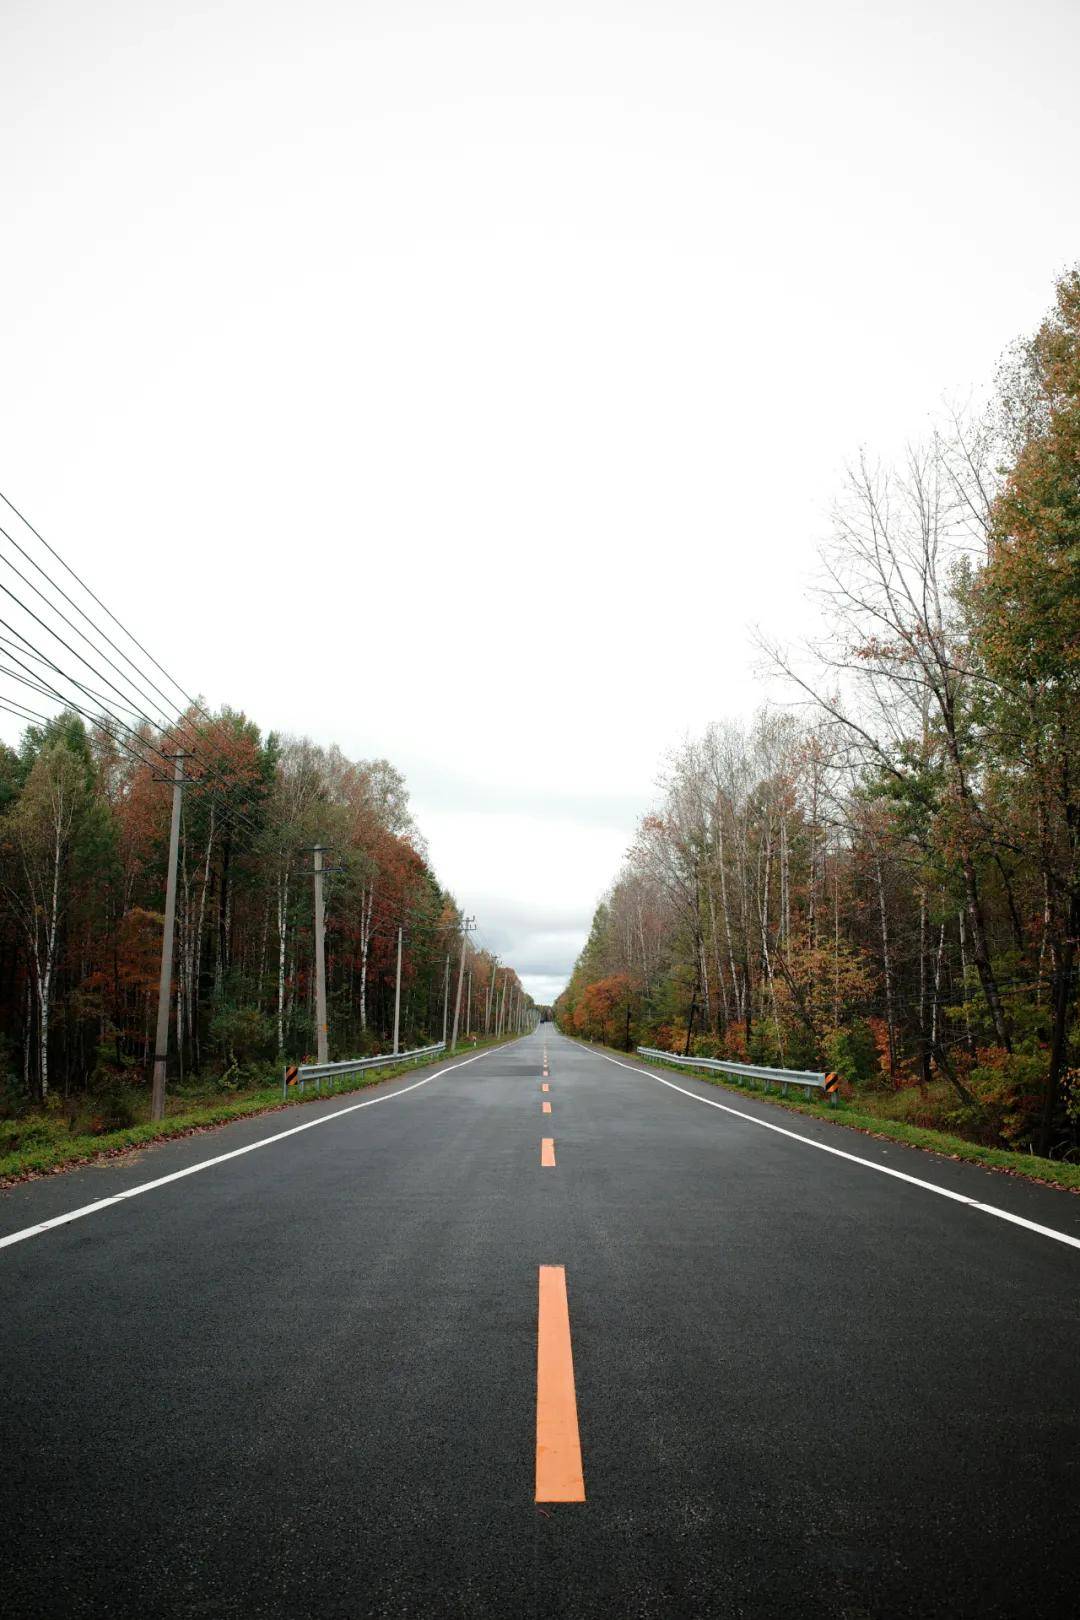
{"x":539,"y":1333}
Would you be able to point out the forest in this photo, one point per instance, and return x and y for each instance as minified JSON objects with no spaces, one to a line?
{"x":879,"y":874}
{"x":84,"y":833}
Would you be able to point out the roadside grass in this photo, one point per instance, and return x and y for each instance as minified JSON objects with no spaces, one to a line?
{"x":44,"y":1144}
{"x":1048,"y":1172}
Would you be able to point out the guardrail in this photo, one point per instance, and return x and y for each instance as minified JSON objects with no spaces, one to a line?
{"x":300,"y":1074}
{"x":808,"y":1079}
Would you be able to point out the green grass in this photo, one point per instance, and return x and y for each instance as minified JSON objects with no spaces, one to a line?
{"x":1029,"y":1165}
{"x":49,"y":1146}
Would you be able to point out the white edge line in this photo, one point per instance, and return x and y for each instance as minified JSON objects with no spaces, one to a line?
{"x":221,"y":1158}
{"x":868,"y":1164}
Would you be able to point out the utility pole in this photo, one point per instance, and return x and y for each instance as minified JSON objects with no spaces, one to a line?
{"x":489,"y":999}
{"x":397,"y":991}
{"x":445,"y":996}
{"x":161,"y":1041}
{"x":321,"y":1031}
{"x":468,"y":1004}
{"x":467,"y":927}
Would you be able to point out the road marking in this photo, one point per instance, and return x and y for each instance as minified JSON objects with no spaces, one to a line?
{"x":545,"y":1107}
{"x":868,"y":1164}
{"x":559,"y":1477}
{"x":547,"y":1153}
{"x":545,"y":1086}
{"x":236,"y":1153}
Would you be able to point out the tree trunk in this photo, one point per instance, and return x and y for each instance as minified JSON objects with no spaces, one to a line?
{"x":283,"y":930}
{"x":981,"y":954}
{"x":46,"y":977}
{"x":886,"y":957}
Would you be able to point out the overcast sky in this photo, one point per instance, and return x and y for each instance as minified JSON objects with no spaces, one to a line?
{"x":460,"y":382}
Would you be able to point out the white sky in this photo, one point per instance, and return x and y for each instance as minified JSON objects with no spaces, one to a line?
{"x":459,"y":382}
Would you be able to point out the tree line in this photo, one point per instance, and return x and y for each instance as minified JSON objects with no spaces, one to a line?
{"x":84,"y":831}
{"x":882,"y":877}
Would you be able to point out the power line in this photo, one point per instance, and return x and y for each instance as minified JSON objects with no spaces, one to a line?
{"x":34,"y":717}
{"x":36,"y":684}
{"x":234,"y":812}
{"x":188,"y":699}
{"x":171,"y":722}
{"x":238,"y":817}
{"x":16,"y":652}
{"x":120,"y":626}
{"x":12,"y":649}
{"x":64,"y":618}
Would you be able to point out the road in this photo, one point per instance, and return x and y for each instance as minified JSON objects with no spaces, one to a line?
{"x":303,"y":1381}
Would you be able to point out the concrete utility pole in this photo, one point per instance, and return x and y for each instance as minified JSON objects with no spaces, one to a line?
{"x":445,"y":997}
{"x":489,"y":999}
{"x":321,"y":1028}
{"x":466,"y":929}
{"x":161,"y":1040}
{"x":397,"y":992}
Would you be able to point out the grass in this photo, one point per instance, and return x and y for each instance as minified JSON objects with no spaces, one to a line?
{"x":50,"y":1147}
{"x":1047,"y":1171}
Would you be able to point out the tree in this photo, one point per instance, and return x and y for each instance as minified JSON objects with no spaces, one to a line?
{"x":1026,"y":626}
{"x":53,"y":808}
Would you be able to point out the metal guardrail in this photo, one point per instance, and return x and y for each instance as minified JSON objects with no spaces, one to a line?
{"x":300,"y":1074}
{"x":808,"y":1079}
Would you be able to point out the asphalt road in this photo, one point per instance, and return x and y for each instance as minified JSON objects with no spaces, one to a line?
{"x":303,"y":1381}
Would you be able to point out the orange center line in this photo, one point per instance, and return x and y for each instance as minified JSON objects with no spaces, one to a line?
{"x":545,"y":1107}
{"x":547,"y":1152}
{"x":544,"y":1086}
{"x":559,"y":1476}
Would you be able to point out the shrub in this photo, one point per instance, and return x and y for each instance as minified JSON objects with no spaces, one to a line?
{"x":853,"y":1053}
{"x":1008,"y":1087}
{"x":764,"y":1046}
{"x":19,"y":1135}
{"x":113,"y":1110}
{"x":800,"y":1049}
{"x":241,"y":1035}
{"x":735,"y":1043}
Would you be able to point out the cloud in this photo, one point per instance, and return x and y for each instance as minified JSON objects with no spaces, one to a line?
{"x":530,"y":879}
